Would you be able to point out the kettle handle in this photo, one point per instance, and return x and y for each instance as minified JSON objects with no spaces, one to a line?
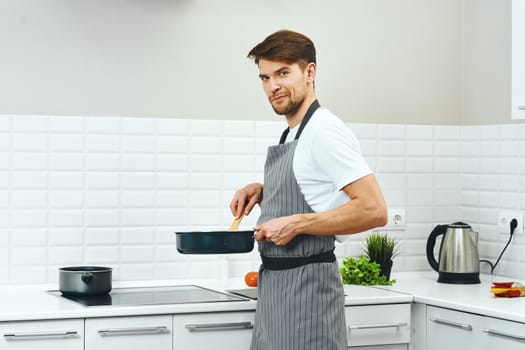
{"x":431,"y":242}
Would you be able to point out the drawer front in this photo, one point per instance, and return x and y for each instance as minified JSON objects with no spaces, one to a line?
{"x":503,"y":334}
{"x":218,"y":330}
{"x":450,"y":329}
{"x":52,"y":334}
{"x":378,"y":324}
{"x":137,"y":332}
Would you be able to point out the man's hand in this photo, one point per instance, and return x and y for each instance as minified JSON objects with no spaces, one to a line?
{"x":280,"y":231}
{"x":245,"y":199}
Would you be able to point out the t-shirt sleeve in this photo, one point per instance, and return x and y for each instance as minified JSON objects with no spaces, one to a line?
{"x":337,"y":154}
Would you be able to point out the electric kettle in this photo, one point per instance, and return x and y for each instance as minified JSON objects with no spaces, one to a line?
{"x":458,"y":253}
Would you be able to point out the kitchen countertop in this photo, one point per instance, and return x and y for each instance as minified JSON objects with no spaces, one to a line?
{"x":473,"y":298}
{"x":35,"y":303}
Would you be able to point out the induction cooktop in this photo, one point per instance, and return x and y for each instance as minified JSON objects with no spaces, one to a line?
{"x":183,"y":294}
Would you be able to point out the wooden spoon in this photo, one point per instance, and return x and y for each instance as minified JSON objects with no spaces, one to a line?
{"x":235,"y":224}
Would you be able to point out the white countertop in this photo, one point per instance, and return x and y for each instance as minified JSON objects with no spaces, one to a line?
{"x":473,"y":298}
{"x":19,"y":303}
{"x":35,"y":303}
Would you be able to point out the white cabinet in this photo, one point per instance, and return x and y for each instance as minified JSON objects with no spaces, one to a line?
{"x":503,"y":334}
{"x":518,"y":59}
{"x":381,"y":327}
{"x":218,"y":330}
{"x":451,"y":329}
{"x":137,"y":333}
{"x":53,"y":334}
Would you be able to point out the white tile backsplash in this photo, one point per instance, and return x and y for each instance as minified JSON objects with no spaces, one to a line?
{"x":5,"y":123}
{"x":72,"y":237}
{"x":4,"y":199}
{"x":29,"y":123}
{"x":66,"y":142}
{"x":173,"y":126}
{"x":138,"y":126}
{"x":4,"y":219}
{"x":114,"y":190}
{"x":172,"y":144}
{"x":66,"y":125}
{"x":5,"y":160}
{"x":65,"y":255}
{"x":5,"y":141}
{"x":102,"y":236}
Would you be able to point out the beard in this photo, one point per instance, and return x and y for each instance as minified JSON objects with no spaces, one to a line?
{"x":290,"y":107}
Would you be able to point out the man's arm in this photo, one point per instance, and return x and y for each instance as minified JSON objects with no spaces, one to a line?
{"x":365,"y":210}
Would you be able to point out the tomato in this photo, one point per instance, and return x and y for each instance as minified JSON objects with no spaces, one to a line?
{"x":251,"y":278}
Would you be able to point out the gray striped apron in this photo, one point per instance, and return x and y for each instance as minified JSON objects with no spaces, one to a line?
{"x":298,"y":308}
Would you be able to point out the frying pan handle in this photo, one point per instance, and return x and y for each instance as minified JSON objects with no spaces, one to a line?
{"x":87,"y":277}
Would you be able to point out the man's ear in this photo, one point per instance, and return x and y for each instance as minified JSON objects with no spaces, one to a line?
{"x":311,"y":69}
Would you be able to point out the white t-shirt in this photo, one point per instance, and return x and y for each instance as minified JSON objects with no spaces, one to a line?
{"x":327,"y":158}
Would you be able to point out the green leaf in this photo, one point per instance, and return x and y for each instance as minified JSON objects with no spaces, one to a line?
{"x":362,"y":271}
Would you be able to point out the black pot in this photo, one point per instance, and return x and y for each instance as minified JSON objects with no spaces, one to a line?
{"x":85,"y":280}
{"x":386,"y":268}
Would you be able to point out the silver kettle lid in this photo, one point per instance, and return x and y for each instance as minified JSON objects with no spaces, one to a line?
{"x":459,"y":224}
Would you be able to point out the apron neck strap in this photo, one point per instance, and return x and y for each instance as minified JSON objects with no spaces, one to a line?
{"x":313,"y":107}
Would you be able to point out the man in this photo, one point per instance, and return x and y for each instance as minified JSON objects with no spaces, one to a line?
{"x":316,"y":185}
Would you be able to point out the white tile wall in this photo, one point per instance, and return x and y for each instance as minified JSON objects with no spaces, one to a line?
{"x":113,"y":190}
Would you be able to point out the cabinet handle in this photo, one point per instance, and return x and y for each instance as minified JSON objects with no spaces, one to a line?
{"x":521,"y":108}
{"x":203,"y":327}
{"x":130,"y":331}
{"x":26,"y":335}
{"x":379,"y":325}
{"x":464,"y":326}
{"x":504,"y":334}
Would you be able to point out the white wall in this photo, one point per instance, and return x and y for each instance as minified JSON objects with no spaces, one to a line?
{"x":379,"y":60}
{"x":112,"y":191}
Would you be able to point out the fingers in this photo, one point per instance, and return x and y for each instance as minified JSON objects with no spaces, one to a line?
{"x":236,"y":207}
{"x":263,"y":234}
{"x":250,"y":205}
{"x":245,"y":199}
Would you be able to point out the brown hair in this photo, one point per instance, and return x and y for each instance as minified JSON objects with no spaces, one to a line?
{"x":286,"y":46}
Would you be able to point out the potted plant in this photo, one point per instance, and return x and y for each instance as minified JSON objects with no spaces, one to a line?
{"x":381,"y":249}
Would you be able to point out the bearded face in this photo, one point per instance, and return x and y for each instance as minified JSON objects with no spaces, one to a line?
{"x":284,"y":84}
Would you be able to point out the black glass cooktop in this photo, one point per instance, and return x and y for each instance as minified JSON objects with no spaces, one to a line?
{"x":152,"y":296}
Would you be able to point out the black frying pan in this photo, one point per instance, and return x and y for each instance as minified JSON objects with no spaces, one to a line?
{"x":215,"y":242}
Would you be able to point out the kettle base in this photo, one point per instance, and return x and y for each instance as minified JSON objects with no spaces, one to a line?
{"x":459,"y":278}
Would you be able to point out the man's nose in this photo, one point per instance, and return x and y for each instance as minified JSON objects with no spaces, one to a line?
{"x":274,"y":85}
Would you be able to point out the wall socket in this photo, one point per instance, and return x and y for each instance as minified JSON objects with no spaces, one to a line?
{"x":505,"y":217}
{"x":396,"y":219}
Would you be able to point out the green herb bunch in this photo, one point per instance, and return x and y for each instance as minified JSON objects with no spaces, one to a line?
{"x":363,"y":272}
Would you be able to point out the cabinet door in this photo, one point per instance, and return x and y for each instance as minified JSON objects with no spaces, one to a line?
{"x":137,"y":333}
{"x":518,"y":59}
{"x":451,"y":330}
{"x":218,"y":331}
{"x":378,"y":324}
{"x":29,"y":335}
{"x":502,"y":334}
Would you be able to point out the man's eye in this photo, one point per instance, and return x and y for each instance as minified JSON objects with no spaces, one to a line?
{"x":263,"y":78}
{"x":283,"y":73}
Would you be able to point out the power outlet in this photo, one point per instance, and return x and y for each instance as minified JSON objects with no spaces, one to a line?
{"x":505,"y":217}
{"x":396,"y":219}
